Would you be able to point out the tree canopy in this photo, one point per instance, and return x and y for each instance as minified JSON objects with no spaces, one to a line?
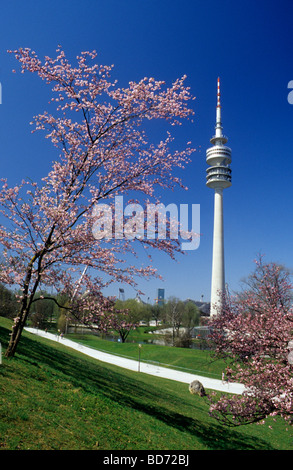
{"x":100,"y":132}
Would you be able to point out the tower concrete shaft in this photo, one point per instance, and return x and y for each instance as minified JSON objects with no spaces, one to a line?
{"x":218,"y":264}
{"x":218,"y":178}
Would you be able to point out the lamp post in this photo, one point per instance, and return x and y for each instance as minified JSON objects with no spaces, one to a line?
{"x":139,"y":349}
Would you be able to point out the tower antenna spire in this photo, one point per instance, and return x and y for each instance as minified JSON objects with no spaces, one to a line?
{"x":219,"y":129}
{"x":218,"y":178}
{"x":219,"y":94}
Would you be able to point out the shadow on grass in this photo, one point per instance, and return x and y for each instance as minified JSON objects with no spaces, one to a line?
{"x":133,"y":392}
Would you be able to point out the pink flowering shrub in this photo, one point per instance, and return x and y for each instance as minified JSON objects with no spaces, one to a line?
{"x":253,"y":332}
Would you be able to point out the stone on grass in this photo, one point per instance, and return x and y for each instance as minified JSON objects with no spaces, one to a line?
{"x":197,"y":388}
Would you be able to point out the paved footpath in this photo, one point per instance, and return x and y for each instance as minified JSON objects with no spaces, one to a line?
{"x":151,"y":369}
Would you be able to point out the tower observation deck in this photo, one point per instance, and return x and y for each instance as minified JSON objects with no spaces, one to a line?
{"x":218,"y":157}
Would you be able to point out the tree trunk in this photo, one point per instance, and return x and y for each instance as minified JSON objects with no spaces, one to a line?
{"x":16,"y":332}
{"x":20,"y":320}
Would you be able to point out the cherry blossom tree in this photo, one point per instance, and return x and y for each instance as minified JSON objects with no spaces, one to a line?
{"x":100,"y":131}
{"x":123,"y":322}
{"x":253,"y":332}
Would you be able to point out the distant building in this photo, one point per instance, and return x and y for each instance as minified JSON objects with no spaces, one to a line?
{"x":121,"y":294}
{"x":203,"y":307}
{"x":160,"y":297}
{"x":138,"y":299}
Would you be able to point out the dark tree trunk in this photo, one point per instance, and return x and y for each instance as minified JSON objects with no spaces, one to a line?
{"x":16,"y":332}
{"x":27,"y":300}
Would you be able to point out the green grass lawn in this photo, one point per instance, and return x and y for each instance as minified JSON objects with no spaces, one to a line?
{"x":54,"y":398}
{"x":195,"y":361}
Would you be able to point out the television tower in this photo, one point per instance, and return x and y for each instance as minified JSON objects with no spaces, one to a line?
{"x":218,"y":178}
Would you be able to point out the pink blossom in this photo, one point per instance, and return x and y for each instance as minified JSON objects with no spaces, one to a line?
{"x":103,"y":150}
{"x":252,"y":332}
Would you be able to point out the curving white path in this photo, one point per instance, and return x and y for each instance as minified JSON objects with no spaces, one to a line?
{"x":150,"y":369}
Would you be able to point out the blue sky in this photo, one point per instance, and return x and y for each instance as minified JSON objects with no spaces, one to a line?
{"x":247,"y":43}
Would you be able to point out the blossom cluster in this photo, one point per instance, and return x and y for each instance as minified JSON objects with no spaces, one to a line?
{"x":104,"y":151}
{"x":253,"y":332}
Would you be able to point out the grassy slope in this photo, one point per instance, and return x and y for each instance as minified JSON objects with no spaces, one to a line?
{"x":187,"y":360}
{"x":54,"y":398}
